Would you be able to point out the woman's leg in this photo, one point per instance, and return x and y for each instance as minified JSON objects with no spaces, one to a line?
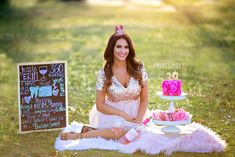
{"x":114,"y":133}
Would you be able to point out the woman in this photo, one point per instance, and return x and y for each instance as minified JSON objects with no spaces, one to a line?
{"x":121,"y":91}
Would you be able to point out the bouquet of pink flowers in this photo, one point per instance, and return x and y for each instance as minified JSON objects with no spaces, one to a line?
{"x":178,"y":115}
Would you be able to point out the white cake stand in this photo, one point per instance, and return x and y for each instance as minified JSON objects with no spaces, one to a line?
{"x":171,"y":126}
{"x":172,"y":99}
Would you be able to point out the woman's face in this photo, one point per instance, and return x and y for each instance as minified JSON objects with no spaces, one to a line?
{"x":121,"y":50}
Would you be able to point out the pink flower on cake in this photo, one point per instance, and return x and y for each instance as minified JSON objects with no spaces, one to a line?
{"x":164,"y":87}
{"x":172,"y":88}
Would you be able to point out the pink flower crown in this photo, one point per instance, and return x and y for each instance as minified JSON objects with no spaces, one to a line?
{"x":119,"y":30}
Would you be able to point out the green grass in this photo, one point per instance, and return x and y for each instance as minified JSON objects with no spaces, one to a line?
{"x":197,"y":39}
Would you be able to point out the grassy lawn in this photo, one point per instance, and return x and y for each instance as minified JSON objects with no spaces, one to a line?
{"x":195,"y":38}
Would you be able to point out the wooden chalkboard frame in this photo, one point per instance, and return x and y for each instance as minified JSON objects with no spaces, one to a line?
{"x":19,"y":96}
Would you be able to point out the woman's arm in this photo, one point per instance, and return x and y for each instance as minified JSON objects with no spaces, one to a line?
{"x":143,"y":102}
{"x":106,"y":109}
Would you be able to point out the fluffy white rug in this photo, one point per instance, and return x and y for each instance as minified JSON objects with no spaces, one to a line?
{"x":192,"y":138}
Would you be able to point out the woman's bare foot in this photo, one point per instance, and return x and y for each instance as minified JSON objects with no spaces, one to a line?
{"x":70,"y":136}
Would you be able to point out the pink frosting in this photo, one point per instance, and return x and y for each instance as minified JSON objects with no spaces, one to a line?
{"x":171,"y":87}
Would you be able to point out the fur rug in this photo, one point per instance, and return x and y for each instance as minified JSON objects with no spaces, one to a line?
{"x":192,"y":138}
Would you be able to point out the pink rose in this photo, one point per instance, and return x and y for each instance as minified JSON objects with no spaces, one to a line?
{"x":169,"y":116}
{"x":180,"y":115}
{"x":156,"y":115}
{"x":162,"y":116}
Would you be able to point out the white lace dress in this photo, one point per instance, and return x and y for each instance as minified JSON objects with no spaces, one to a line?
{"x":126,"y":99}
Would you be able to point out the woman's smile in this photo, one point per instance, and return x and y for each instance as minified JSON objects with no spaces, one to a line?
{"x":121,"y":50}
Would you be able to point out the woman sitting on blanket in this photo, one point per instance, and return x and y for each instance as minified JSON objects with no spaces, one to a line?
{"x":121,"y":92}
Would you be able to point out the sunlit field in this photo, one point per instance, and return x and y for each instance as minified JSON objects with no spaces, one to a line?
{"x":195,"y":38}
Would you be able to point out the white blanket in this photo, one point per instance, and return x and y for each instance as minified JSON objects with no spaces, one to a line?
{"x":192,"y":138}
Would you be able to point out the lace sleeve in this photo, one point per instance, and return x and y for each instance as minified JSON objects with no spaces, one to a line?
{"x":100,"y":79}
{"x":144,"y":74}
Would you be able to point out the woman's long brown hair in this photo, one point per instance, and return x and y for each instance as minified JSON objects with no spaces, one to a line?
{"x":133,"y":66}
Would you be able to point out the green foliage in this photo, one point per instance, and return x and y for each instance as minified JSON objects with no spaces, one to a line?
{"x":195,"y":38}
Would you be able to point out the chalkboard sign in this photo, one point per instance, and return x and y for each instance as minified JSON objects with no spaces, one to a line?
{"x":42,"y":96}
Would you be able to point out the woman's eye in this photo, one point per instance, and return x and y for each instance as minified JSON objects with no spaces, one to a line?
{"x":118,"y":46}
{"x":127,"y":47}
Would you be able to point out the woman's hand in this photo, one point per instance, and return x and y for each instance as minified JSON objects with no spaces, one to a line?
{"x":138,"y":120}
{"x":127,"y":117}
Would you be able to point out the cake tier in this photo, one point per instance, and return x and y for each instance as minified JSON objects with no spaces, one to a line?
{"x":171,"y":87}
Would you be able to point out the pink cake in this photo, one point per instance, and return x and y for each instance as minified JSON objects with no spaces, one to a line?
{"x":171,"y":87}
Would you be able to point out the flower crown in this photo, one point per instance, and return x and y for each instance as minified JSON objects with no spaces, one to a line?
{"x":119,"y":30}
